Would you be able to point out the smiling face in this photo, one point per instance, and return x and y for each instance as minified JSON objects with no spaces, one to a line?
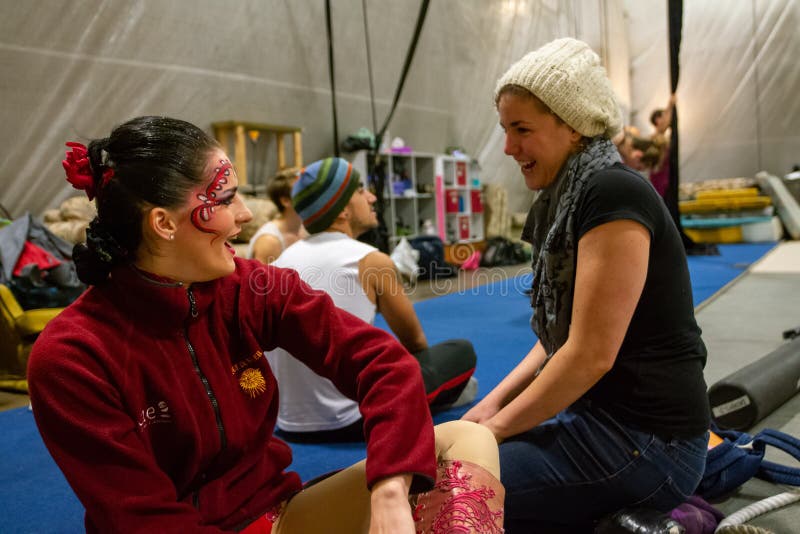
{"x":537,"y":140}
{"x":212,"y":217}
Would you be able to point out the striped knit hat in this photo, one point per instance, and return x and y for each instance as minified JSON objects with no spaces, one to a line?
{"x":322,"y":191}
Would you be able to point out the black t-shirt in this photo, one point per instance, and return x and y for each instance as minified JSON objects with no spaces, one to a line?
{"x":656,"y":383}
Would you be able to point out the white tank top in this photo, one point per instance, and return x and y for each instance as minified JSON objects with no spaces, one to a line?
{"x":270,"y":228}
{"x":327,"y":261}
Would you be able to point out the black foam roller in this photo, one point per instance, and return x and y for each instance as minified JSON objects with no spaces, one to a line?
{"x":748,"y":395}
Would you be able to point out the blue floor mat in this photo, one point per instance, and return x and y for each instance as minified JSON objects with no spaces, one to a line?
{"x":495,"y":317}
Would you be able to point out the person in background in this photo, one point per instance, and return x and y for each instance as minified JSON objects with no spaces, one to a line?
{"x":336,"y":209}
{"x":272,"y":238}
{"x":661,"y":119}
{"x":152,"y":392}
{"x":631,"y":153}
{"x":609,"y":408}
{"x":659,"y":164}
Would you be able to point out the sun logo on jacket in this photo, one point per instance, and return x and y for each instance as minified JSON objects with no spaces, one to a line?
{"x":252,"y":382}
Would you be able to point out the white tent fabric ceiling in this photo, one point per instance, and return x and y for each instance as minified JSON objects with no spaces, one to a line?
{"x":75,"y":69}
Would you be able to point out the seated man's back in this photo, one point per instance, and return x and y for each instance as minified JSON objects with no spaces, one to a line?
{"x":327,"y":261}
{"x":362,"y":280}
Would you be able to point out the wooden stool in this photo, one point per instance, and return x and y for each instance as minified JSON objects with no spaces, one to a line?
{"x":238,"y":132}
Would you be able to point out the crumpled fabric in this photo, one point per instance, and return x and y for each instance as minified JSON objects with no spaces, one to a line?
{"x":697,"y":516}
{"x":405,"y":258}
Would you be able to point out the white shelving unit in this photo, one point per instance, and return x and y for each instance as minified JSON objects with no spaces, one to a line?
{"x":421,"y":187}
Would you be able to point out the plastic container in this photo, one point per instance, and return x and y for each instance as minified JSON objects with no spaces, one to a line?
{"x":461,"y":173}
{"x":463,"y":227}
{"x":792,"y":183}
{"x":451,"y":197}
{"x":476,"y":204}
{"x":771,"y":230}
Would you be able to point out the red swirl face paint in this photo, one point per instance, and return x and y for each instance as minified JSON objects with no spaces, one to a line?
{"x":211,"y":198}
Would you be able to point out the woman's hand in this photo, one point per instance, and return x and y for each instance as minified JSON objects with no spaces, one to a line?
{"x":391,"y":512}
{"x":482,"y":412}
{"x":508,"y":388}
{"x":506,"y":391}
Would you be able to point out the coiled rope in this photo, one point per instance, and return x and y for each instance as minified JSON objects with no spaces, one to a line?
{"x":734,"y":523}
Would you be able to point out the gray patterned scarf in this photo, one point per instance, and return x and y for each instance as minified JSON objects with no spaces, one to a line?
{"x":550,"y":229}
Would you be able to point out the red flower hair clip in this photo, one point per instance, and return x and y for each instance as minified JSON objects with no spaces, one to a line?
{"x":79,"y":170}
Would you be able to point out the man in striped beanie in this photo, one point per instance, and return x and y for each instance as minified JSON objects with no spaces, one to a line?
{"x":323,"y":191}
{"x":336,"y":208}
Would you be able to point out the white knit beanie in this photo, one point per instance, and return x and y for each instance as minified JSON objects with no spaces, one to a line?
{"x":567,"y":76}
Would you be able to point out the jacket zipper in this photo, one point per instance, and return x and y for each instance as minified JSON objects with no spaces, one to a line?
{"x":211,"y":397}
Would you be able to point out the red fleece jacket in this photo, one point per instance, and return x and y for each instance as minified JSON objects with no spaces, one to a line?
{"x":158,"y":405}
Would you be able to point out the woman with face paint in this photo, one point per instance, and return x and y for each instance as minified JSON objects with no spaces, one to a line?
{"x":152,"y":392}
{"x":609,"y":409}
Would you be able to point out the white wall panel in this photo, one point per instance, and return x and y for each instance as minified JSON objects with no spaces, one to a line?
{"x":737,"y":95}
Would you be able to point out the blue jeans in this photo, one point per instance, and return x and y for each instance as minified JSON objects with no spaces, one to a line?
{"x":583,"y":465}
